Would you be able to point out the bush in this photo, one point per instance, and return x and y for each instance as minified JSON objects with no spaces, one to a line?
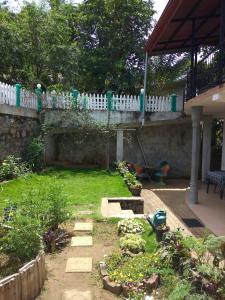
{"x":11,"y":168}
{"x":24,"y":241}
{"x":132,"y":243}
{"x":48,"y":204}
{"x":130,"y":226}
{"x":33,"y":154}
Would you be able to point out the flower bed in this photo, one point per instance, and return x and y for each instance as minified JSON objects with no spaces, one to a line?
{"x":180,"y":268}
{"x":133,"y":184}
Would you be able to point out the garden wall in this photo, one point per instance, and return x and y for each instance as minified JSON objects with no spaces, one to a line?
{"x":15,"y":132}
{"x":171,"y":142}
{"x":164,"y":142}
{"x":89,"y":150}
{"x":27,"y":283}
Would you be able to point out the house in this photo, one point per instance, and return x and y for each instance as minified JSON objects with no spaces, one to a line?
{"x":187,"y":26}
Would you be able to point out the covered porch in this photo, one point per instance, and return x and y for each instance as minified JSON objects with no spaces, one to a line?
{"x":187,"y":26}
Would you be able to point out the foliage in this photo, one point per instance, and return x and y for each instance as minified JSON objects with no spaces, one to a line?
{"x":130,"y":226}
{"x":33,"y":154}
{"x":24,"y":241}
{"x":94,"y":46}
{"x":12,"y":167}
{"x":132,"y":243}
{"x":48,"y":204}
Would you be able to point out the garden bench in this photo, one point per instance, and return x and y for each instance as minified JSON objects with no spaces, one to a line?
{"x":216,"y":178}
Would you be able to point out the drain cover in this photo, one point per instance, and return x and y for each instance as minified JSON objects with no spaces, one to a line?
{"x":192,"y":222}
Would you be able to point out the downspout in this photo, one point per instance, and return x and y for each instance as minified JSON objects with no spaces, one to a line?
{"x":145,"y":86}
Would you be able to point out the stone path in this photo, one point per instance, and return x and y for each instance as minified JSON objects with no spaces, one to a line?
{"x":80,"y":264}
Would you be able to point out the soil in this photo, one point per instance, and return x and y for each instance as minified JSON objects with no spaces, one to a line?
{"x":105,"y":240}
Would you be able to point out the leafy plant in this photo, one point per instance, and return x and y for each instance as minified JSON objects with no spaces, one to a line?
{"x":12,"y":167}
{"x":33,"y":154}
{"x":130,"y":226}
{"x":48,"y":204}
{"x":24,"y":240}
{"x":132,"y":243}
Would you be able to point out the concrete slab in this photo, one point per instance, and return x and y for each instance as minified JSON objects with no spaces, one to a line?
{"x":76,"y":295}
{"x":80,"y":241}
{"x":79,"y":265}
{"x":83,"y":226}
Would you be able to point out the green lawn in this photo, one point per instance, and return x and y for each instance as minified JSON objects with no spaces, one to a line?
{"x":84,"y":188}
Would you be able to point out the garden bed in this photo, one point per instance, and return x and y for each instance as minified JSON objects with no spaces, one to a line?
{"x":179,"y":268}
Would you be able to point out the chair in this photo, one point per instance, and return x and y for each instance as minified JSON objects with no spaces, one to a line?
{"x":162,"y":172}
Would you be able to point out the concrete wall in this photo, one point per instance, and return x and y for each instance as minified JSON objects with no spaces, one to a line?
{"x":68,"y":148}
{"x":15,"y":132}
{"x":161,"y":142}
{"x":164,"y":142}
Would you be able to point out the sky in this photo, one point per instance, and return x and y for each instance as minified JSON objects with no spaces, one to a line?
{"x":159,"y":5}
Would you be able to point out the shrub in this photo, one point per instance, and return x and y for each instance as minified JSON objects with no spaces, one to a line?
{"x":33,"y":154}
{"x":130,"y":226}
{"x":11,"y":168}
{"x":133,"y":243}
{"x":48,"y":204}
{"x":24,"y":241}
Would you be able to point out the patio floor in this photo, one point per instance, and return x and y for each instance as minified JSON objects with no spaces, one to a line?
{"x":210,"y":210}
{"x":173,"y":198}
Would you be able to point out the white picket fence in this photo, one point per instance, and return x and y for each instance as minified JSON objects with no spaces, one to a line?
{"x":100,"y":102}
{"x":84,"y":101}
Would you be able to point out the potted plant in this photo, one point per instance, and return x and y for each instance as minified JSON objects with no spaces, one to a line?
{"x":135,"y":189}
{"x":160,"y":231}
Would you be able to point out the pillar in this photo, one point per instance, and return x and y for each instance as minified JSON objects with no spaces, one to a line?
{"x":196,"y":136}
{"x":223,"y":148}
{"x":119,"y":145}
{"x":206,"y":146}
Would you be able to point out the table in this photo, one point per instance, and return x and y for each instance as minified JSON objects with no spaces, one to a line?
{"x":217,"y":178}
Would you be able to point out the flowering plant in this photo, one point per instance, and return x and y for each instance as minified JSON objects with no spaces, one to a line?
{"x":133,"y":243}
{"x":130,"y":226}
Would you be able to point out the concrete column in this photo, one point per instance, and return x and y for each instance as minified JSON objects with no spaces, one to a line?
{"x":206,"y":146}
{"x":196,"y":136}
{"x":119,"y":145}
{"x":223,"y":148}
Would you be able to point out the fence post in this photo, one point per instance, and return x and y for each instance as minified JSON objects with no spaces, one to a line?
{"x":173,"y":102}
{"x":109,"y":100}
{"x":74,"y":98}
{"x":38,"y":92}
{"x":54,"y":99}
{"x":18,"y":94}
{"x":141,"y":100}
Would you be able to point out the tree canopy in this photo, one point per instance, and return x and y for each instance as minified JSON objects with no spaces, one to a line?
{"x":94,"y":46}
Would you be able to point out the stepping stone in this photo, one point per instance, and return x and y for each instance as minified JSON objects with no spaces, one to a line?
{"x":83,"y":226}
{"x":79,"y":241}
{"x":76,"y":295}
{"x":79,"y":265}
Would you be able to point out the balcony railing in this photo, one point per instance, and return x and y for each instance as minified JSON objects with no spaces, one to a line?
{"x":209,"y":72}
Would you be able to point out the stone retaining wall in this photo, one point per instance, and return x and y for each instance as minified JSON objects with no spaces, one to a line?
{"x":15,"y":132}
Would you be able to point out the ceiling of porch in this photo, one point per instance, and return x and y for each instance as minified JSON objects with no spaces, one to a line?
{"x":213,"y":102}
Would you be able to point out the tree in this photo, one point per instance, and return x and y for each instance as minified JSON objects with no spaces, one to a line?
{"x":110,"y":36}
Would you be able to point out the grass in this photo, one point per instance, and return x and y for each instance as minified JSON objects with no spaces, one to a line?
{"x":84,"y":187}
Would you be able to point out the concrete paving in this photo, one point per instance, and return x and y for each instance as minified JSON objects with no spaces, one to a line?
{"x":83,"y":226}
{"x":76,"y":295}
{"x":79,"y":265}
{"x":80,"y":241}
